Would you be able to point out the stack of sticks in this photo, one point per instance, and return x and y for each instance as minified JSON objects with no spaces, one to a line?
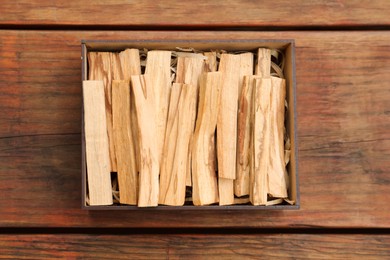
{"x":170,"y":121}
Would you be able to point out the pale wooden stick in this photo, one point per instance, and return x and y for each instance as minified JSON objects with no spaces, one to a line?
{"x":189,"y":69}
{"x":211,"y":62}
{"x":96,"y":144}
{"x":101,"y":68}
{"x":226,"y":191}
{"x":124,"y":145}
{"x":246,"y":69}
{"x":227,"y":117}
{"x":261,"y":141}
{"x":177,"y":139}
{"x":263,"y":66}
{"x":241,"y":184}
{"x":277,"y":174}
{"x":158,"y":67}
{"x":145,"y":102}
{"x":130,"y":63}
{"x":204,"y":177}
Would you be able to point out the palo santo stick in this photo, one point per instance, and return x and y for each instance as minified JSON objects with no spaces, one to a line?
{"x":101,"y":68}
{"x":96,"y":144}
{"x":177,"y":138}
{"x":241,"y":184}
{"x":226,"y":191}
{"x":211,"y":62}
{"x":189,"y":69}
{"x":147,"y":134}
{"x":204,"y":177}
{"x":227,"y":116}
{"x":263,"y":66}
{"x":246,"y":69}
{"x":124,"y":146}
{"x":158,"y":67}
{"x":277,"y":174}
{"x":261,"y":141}
{"x":130,"y":63}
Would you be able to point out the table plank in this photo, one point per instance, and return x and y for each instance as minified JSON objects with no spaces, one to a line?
{"x":225,"y":13}
{"x":343,"y":122}
{"x":192,"y":246}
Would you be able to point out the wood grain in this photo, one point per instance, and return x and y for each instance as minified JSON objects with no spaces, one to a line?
{"x":96,"y":143}
{"x":178,"y":13}
{"x":145,"y":104}
{"x":343,"y":122}
{"x":196,"y":246}
{"x":124,"y":143}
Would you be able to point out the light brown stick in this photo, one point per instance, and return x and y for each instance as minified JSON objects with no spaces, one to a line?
{"x":124,"y":145}
{"x":130,"y":63}
{"x":211,"y":62}
{"x":244,"y":129}
{"x":204,"y":177}
{"x":261,"y":141}
{"x":101,"y":68}
{"x":158,"y":67}
{"x":96,"y":144}
{"x":263,"y":66}
{"x":277,"y":174}
{"x":189,"y":69}
{"x":147,"y":132}
{"x":227,"y":116}
{"x":177,"y":139}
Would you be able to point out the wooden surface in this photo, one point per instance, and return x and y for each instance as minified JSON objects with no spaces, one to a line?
{"x":199,"y":14}
{"x":163,"y":246}
{"x":343,"y":129}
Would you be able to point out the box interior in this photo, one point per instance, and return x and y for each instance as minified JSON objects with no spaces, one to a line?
{"x":232,"y":45}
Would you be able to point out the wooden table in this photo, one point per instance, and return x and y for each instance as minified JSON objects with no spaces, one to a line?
{"x":343,"y":96}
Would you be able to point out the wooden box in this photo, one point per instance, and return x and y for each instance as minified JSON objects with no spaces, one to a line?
{"x":287,"y":46}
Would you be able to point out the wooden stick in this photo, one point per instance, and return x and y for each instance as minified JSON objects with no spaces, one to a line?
{"x":226,"y":191}
{"x":227,"y":117}
{"x":189,"y":69}
{"x":158,"y":67}
{"x":124,"y":145}
{"x":263,"y":66}
{"x":211,"y":62}
{"x":204,"y":177}
{"x":261,"y":141}
{"x":246,"y":69}
{"x":177,"y":140}
{"x":130,"y":63}
{"x":277,"y":174}
{"x":145,"y":102}
{"x":241,"y":184}
{"x":96,"y":144}
{"x":101,"y":68}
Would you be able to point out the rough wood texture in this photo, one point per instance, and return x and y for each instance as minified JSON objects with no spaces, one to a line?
{"x":189,"y":68}
{"x":277,"y":174}
{"x":96,"y":144}
{"x":227,"y":116}
{"x":124,"y":144}
{"x":177,"y":141}
{"x":204,"y":176}
{"x":177,"y":13}
{"x":130,"y":64}
{"x":145,"y":103}
{"x":263,"y":65}
{"x":103,"y":66}
{"x":158,"y":67}
{"x":196,"y":246}
{"x":261,"y":141}
{"x":344,"y":141}
{"x":241,"y":184}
